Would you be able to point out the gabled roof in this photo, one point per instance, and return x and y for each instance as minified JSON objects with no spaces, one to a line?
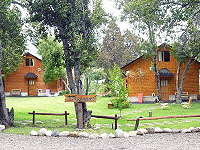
{"x":30,"y":75}
{"x":132,"y":62}
{"x":27,"y":53}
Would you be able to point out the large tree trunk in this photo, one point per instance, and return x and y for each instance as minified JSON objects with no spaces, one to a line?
{"x":179,"y":91}
{"x":87,"y":86}
{"x":66,"y":86}
{"x":6,"y":117}
{"x":180,"y":88}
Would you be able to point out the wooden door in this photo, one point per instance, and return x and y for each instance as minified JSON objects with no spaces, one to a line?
{"x":31,"y":88}
{"x":164,"y":83}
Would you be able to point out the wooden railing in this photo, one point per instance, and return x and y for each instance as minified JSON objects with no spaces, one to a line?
{"x":55,"y":114}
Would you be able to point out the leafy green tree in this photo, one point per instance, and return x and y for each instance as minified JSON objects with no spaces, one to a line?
{"x":118,"y":91}
{"x":52,"y":59}
{"x":11,"y":49}
{"x":148,"y":17}
{"x":74,"y":25}
{"x":183,"y":18}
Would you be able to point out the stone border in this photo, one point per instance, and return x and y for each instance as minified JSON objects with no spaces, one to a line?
{"x":118,"y":133}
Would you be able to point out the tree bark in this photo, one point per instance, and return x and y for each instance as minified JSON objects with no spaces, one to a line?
{"x":87,"y":86}
{"x":6,"y":117}
{"x":180,"y":88}
{"x":66,"y":86}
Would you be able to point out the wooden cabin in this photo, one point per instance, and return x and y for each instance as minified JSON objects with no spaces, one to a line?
{"x":27,"y":80}
{"x":140,"y":77}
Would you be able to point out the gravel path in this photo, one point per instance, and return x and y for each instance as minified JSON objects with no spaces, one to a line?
{"x":190,"y":141}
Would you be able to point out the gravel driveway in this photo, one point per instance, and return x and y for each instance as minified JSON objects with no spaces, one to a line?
{"x":189,"y":141}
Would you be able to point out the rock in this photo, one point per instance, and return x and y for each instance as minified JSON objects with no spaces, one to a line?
{"x":140,"y":133}
{"x":2,"y":127}
{"x":64,"y":134}
{"x":94,"y":136}
{"x":143,"y":130}
{"x":186,"y":131}
{"x":176,"y":130}
{"x":158,"y":130}
{"x":42,"y":132}
{"x":97,"y":125}
{"x":104,"y":136}
{"x":119,"y":133}
{"x":111,"y":135}
{"x":96,"y":128}
{"x":73,"y":134}
{"x":167,"y":130}
{"x":150,"y":130}
{"x":126,"y":134}
{"x":84,"y":134}
{"x":133,"y":133}
{"x":192,"y":129}
{"x":33,"y":133}
{"x":55,"y":133}
{"x":48,"y":133}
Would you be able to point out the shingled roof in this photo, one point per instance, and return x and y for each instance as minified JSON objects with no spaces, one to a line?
{"x":164,"y":72}
{"x":30,"y":75}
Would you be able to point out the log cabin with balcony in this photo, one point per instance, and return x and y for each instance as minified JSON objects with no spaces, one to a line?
{"x":27,"y":80}
{"x":140,"y":77}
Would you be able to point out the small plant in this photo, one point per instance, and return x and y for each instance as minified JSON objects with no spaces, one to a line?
{"x":118,"y":91}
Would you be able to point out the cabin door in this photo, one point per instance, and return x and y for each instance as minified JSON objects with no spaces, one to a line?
{"x":31,"y":88}
{"x":164,"y":83}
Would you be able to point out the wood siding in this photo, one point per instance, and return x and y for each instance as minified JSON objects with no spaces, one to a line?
{"x":16,"y":79}
{"x":146,"y":84}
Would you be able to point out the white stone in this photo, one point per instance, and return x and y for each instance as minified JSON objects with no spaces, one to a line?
{"x":97,"y":125}
{"x":143,"y":131}
{"x":104,"y":136}
{"x":158,"y":130}
{"x":167,"y":130}
{"x":133,"y":133}
{"x":96,"y":128}
{"x":140,"y":133}
{"x":186,"y":131}
{"x":42,"y":131}
{"x":2,"y":127}
{"x":33,"y":133}
{"x":119,"y":133}
{"x":94,"y":136}
{"x":73,"y":134}
{"x":48,"y":133}
{"x":126,"y":134}
{"x":111,"y":135}
{"x":64,"y":134}
{"x":83,"y":134}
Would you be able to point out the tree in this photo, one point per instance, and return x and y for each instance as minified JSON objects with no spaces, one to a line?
{"x":148,"y":17}
{"x":74,"y":25}
{"x":185,"y":17}
{"x":11,"y":49}
{"x":117,"y":48}
{"x":118,"y":91}
{"x":52,"y":60}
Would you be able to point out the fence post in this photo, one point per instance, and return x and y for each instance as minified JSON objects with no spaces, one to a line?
{"x":65,"y":117}
{"x":33,"y":117}
{"x":116,"y":121}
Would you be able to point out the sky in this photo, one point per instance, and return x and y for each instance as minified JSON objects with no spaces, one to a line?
{"x":109,"y":7}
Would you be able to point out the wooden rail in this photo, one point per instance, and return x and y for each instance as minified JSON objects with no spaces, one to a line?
{"x":161,"y":117}
{"x":108,"y":117}
{"x":54,"y":114}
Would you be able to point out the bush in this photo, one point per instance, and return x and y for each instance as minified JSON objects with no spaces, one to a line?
{"x":61,"y":93}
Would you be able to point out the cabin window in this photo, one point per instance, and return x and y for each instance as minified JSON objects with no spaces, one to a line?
{"x":29,"y":62}
{"x":31,"y":82}
{"x":164,"y":56}
{"x":164,"y":82}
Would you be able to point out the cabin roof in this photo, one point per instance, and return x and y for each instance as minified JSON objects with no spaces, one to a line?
{"x":30,"y":75}
{"x":132,"y":62}
{"x":164,"y":72}
{"x":28,"y":53}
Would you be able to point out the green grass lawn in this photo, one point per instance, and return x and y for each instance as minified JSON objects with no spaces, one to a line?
{"x":57,"y":105}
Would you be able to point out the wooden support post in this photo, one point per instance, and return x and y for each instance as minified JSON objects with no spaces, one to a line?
{"x":116,"y":121}
{"x":80,"y":116}
{"x":65,"y":117}
{"x":33,"y":117}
